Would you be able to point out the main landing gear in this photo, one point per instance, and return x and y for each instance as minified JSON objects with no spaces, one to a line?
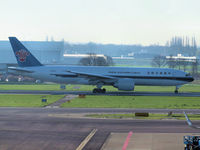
{"x":97,"y":90}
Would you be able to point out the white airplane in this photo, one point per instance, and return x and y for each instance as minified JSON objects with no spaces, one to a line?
{"x":122,"y":78}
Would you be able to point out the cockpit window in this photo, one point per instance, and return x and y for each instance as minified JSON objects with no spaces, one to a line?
{"x":187,"y":74}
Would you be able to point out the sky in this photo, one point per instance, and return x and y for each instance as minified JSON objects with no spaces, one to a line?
{"x":143,"y":22}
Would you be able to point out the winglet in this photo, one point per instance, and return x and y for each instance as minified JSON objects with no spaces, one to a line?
{"x":22,"y":54}
{"x":189,"y":122}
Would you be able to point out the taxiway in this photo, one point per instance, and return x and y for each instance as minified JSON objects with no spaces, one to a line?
{"x":39,"y":128}
{"x":183,"y":94}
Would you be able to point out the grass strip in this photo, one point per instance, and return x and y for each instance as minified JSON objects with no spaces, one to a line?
{"x":7,"y":100}
{"x":56,"y":87}
{"x":135,"y":102}
{"x":151,"y":116}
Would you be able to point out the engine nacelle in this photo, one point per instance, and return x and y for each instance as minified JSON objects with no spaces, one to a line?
{"x":125,"y":84}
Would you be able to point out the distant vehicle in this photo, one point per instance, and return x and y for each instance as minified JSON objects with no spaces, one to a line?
{"x":122,"y":78}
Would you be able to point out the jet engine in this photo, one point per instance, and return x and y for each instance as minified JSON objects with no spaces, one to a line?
{"x":125,"y":84}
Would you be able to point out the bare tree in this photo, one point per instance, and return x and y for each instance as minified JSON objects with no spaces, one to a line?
{"x":184,"y":63}
{"x":171,"y":62}
{"x":158,"y":61}
{"x":94,"y":60}
{"x":90,"y":60}
{"x":182,"y":45}
{"x":195,"y":67}
{"x":109,"y":61}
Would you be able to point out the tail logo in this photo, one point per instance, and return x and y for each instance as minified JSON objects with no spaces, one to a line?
{"x":22,"y":54}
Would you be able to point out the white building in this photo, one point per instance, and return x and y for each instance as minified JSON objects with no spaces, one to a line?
{"x":73,"y":59}
{"x":183,"y":58}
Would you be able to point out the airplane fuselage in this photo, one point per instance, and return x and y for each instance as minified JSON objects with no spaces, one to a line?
{"x":140,"y":76}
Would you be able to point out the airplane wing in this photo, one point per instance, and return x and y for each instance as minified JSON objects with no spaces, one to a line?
{"x":91,"y":75}
{"x":190,"y":123}
{"x":20,"y":69}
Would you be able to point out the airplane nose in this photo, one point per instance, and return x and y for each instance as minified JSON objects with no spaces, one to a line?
{"x":191,"y":79}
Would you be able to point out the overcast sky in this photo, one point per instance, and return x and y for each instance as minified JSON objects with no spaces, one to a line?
{"x":103,"y":21}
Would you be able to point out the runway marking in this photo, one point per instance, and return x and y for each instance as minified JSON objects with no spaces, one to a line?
{"x":127,"y":140}
{"x":86,"y":140}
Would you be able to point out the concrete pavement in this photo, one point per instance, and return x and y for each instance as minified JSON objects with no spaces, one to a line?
{"x":146,"y":141}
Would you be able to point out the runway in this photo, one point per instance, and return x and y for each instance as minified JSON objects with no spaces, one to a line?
{"x":39,"y":128}
{"x":185,"y":94}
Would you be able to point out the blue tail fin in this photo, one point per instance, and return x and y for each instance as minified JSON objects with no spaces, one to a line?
{"x":23,"y":56}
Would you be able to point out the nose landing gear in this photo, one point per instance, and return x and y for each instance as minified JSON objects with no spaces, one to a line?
{"x":176,"y":90}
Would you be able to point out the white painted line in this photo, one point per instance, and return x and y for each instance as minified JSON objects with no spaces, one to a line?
{"x":86,"y":140}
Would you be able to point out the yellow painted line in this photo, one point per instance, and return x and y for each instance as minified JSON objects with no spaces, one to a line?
{"x":86,"y":140}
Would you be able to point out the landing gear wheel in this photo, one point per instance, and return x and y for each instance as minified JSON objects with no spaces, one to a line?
{"x":176,"y":91}
{"x":96,"y":90}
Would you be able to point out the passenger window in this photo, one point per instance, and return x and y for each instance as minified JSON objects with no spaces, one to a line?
{"x":156,"y":72}
{"x":160,"y":72}
{"x":152,"y":72}
{"x":169,"y":72}
{"x":165,"y":72}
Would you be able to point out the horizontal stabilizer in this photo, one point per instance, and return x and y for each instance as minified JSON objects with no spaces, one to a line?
{"x":20,"y":69}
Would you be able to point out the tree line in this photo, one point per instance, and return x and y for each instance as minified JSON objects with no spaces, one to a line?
{"x":190,"y":65}
{"x":182,"y":45}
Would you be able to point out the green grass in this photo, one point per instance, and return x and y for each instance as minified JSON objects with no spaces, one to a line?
{"x":185,"y":88}
{"x":27,"y":100}
{"x":105,"y":101}
{"x":135,"y":102}
{"x":151,"y":116}
{"x":29,"y":87}
{"x":56,"y":87}
{"x":51,"y":87}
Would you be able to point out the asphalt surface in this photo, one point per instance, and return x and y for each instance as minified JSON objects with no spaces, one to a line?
{"x":46,"y":111}
{"x":36,"y":128}
{"x":185,"y":94}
